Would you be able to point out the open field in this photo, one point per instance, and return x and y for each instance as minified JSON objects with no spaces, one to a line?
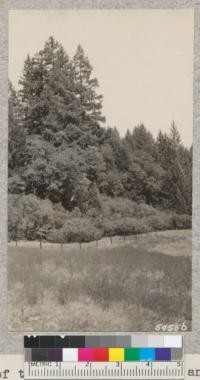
{"x":126,"y":286}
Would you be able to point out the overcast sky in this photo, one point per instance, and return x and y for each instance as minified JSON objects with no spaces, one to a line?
{"x":143,"y":60}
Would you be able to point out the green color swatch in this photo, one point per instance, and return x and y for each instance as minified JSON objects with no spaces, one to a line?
{"x":132,"y":354}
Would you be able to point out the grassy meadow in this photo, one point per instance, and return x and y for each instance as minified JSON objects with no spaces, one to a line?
{"x":129,"y":285}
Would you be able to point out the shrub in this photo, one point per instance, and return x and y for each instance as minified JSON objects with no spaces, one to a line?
{"x":93,"y":213}
{"x":56,"y":236}
{"x":16,"y":185}
{"x":75,"y":213}
{"x":121,"y":207}
{"x":143,"y":226}
{"x":182,"y":221}
{"x":125,"y":226}
{"x":30,"y":217}
{"x":33,"y":218}
{"x":15,"y":216}
{"x":60,"y":215}
{"x":160,"y":222}
{"x":144,"y":210}
{"x":81,"y":230}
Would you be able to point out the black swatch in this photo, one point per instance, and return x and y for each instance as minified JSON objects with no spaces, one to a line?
{"x":62,"y":342}
{"x":31,"y":342}
{"x":39,"y":355}
{"x":47,"y":341}
{"x":76,"y":341}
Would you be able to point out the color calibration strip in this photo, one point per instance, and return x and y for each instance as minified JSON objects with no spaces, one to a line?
{"x":102,"y":354}
{"x":103,"y":348}
{"x":104,"y":357}
{"x":125,"y":341}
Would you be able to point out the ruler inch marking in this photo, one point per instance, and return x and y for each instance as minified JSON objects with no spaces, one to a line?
{"x":104,"y":370}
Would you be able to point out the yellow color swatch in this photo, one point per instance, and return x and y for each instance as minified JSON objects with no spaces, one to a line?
{"x":116,"y":354}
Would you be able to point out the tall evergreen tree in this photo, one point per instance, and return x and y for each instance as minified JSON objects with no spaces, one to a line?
{"x":16,"y":135}
{"x":169,"y":154}
{"x":86,"y":89}
{"x":59,"y":149}
{"x":48,"y":95}
{"x":141,"y":138}
{"x":175,"y":135}
{"x":32,"y":84}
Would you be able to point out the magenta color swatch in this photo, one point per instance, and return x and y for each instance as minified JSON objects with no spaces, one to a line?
{"x":85,"y":354}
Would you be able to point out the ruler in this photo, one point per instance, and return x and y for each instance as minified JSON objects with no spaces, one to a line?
{"x":104,"y":370}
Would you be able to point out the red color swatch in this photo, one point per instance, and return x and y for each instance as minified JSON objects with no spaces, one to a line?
{"x":100,"y":354}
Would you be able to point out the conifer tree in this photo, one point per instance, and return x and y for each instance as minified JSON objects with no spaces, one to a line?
{"x":86,"y":87}
{"x":32,"y":85}
{"x":169,"y":147}
{"x":143,"y":139}
{"x":51,"y":107}
{"x":175,"y":135}
{"x":16,"y":135}
{"x":58,"y":148}
{"x":64,"y":110}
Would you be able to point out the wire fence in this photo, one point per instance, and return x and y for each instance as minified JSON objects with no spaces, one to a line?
{"x":105,"y":242}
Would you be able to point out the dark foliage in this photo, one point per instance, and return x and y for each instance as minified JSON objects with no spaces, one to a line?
{"x":63,"y":161}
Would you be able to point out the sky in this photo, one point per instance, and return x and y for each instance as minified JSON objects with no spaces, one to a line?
{"x":143,"y":60}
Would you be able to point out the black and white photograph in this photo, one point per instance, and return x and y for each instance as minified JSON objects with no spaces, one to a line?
{"x":100,"y":133}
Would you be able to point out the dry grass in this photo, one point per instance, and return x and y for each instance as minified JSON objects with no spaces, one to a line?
{"x":130,"y":287}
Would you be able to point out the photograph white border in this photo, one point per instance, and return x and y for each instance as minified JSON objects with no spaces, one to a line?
{"x":12,"y":343}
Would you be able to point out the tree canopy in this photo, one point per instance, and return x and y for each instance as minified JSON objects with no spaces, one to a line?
{"x":61,"y":151}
